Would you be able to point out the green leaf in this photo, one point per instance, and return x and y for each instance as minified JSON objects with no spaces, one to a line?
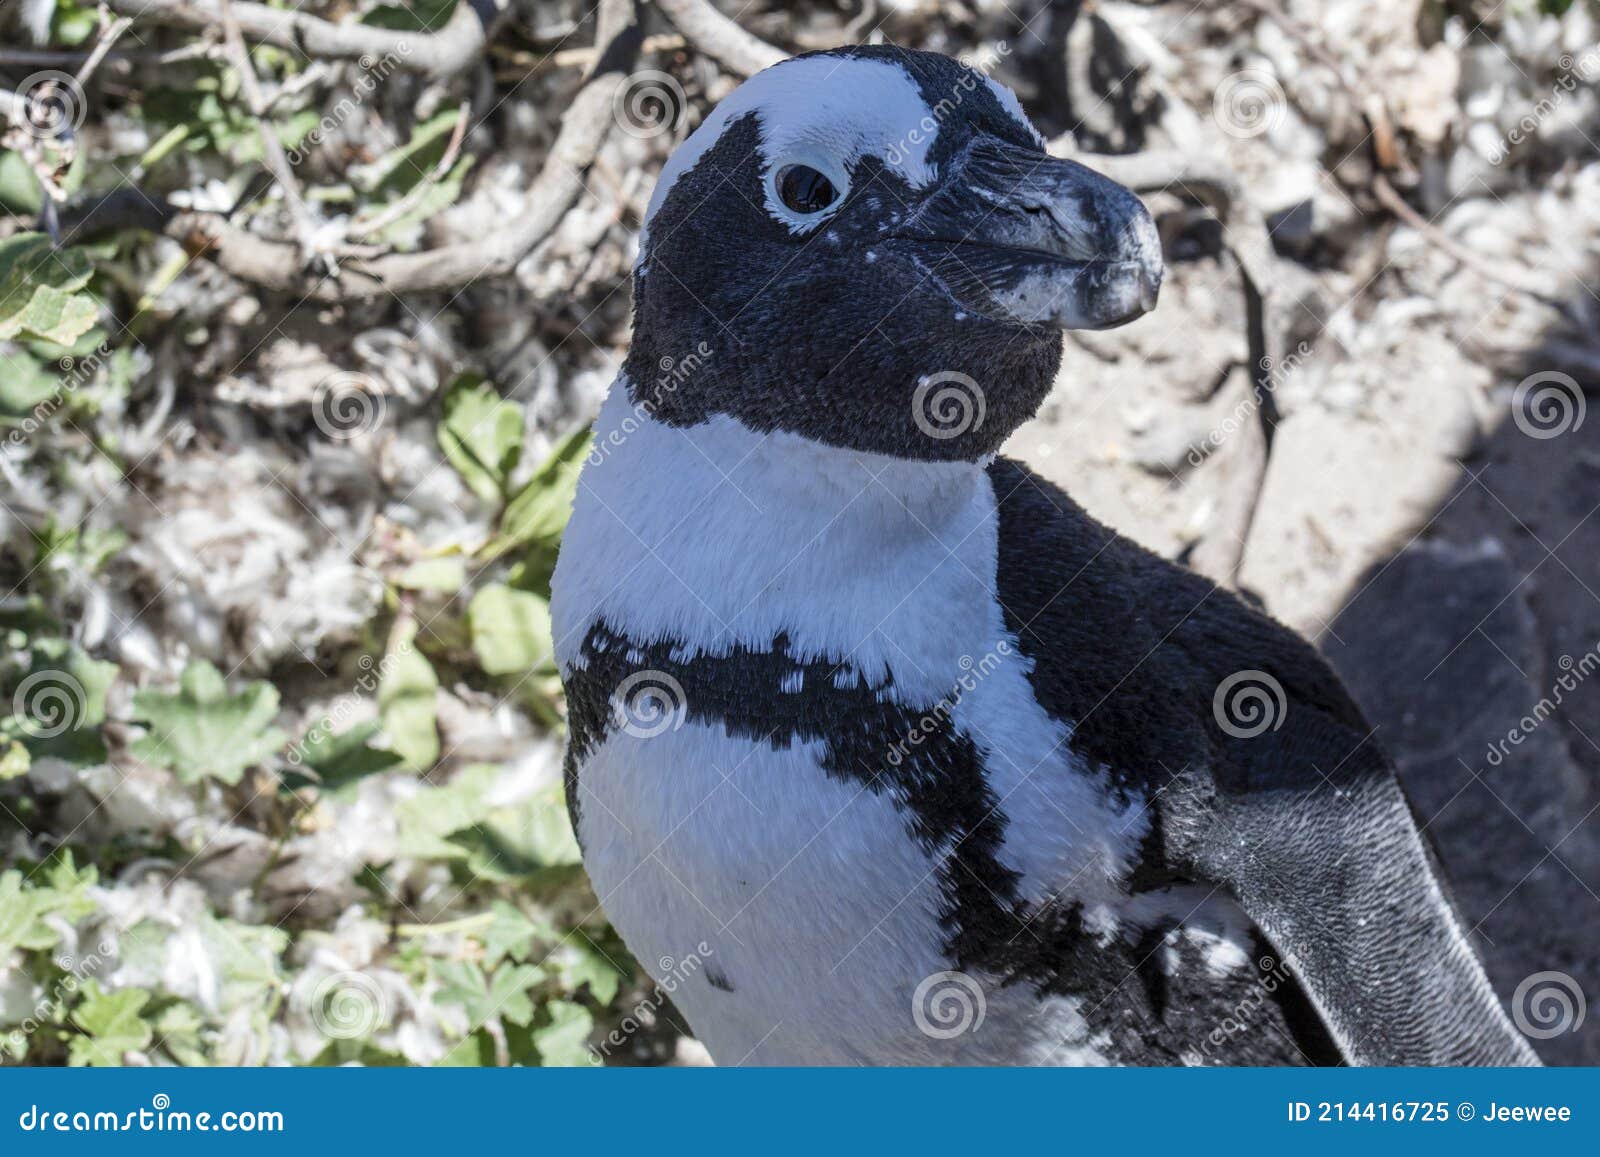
{"x":407,"y":700}
{"x":14,"y":761}
{"x":511,"y":936}
{"x":481,"y":435}
{"x":400,"y":170}
{"x":177,"y":1029}
{"x":413,"y":16}
{"x":244,"y":959}
{"x":476,"y":1050}
{"x":434,"y":574}
{"x":113,"y":1025}
{"x":502,"y":996}
{"x":21,"y":912}
{"x":357,"y":1052}
{"x":60,"y":891}
{"x":580,"y":963}
{"x":24,"y":383}
{"x":202,"y":731}
{"x":433,"y":813}
{"x":538,"y":512}
{"x":63,"y":697}
{"x":41,"y":290}
{"x":510,"y":630}
{"x":341,"y":759}
{"x":564,"y":1039}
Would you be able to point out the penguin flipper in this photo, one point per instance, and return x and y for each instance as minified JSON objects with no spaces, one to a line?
{"x":1328,"y":862}
{"x":1304,"y":823}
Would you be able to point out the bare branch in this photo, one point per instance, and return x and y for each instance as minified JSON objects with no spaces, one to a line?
{"x":277,"y":265}
{"x":450,"y":50}
{"x":1216,"y":186}
{"x":109,"y":35}
{"x":271,"y":147}
{"x":719,"y":37}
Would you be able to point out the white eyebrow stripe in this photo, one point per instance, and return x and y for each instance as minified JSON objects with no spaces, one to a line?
{"x":1008,"y":101}
{"x":847,"y":107}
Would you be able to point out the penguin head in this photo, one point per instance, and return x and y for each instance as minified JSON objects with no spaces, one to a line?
{"x":870,"y":247}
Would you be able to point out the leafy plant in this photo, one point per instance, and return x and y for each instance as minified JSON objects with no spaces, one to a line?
{"x":42,"y":290}
{"x":203,"y":732}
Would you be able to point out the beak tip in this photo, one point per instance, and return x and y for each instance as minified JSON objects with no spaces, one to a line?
{"x":1150,"y":288}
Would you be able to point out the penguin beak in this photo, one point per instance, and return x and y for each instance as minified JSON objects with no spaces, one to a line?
{"x":1014,"y":234}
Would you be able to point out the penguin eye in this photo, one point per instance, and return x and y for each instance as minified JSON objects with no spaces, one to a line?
{"x":803,"y":189}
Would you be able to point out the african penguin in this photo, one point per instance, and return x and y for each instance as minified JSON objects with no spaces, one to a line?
{"x":915,"y":760}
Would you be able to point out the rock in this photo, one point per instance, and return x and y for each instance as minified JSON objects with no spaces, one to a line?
{"x":1458,"y":704}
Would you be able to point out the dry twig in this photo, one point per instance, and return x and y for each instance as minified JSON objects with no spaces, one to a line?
{"x":452,"y":49}
{"x":277,"y":265}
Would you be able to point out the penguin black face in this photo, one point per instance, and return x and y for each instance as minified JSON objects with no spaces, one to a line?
{"x":870,"y":247}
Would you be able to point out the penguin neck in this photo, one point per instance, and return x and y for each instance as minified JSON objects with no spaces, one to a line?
{"x":714,"y":535}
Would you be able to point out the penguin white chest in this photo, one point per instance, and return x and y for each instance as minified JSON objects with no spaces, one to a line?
{"x":843,"y":769}
{"x":811,"y":909}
